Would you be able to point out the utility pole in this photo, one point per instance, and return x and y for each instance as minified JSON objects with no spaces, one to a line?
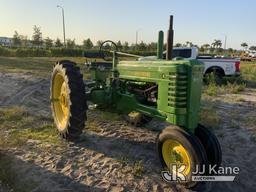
{"x":137,"y":34}
{"x":225,"y":43}
{"x":137,"y":37}
{"x":63,"y":23}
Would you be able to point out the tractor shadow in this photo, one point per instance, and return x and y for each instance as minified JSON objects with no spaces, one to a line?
{"x":119,"y":148}
{"x":24,"y":176}
{"x":130,"y":151}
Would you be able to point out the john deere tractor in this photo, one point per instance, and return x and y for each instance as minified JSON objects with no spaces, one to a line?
{"x":168,"y":89}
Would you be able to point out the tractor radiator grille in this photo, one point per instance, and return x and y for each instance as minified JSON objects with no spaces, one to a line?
{"x":177,"y":90}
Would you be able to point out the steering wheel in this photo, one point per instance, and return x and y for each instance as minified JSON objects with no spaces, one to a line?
{"x":105,"y":50}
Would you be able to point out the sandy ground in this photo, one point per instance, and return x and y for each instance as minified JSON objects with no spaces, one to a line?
{"x":103,"y":160}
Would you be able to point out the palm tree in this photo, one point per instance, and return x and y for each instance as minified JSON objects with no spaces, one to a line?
{"x":244,"y":45}
{"x":189,"y":44}
{"x":204,"y":47}
{"x":218,"y":43}
{"x":214,"y":44}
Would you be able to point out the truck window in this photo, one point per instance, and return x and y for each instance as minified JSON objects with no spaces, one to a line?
{"x":185,"y":53}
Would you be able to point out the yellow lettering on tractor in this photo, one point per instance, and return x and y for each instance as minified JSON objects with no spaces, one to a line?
{"x":140,"y":74}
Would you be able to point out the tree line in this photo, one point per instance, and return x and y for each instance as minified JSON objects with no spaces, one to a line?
{"x":245,"y":46}
{"x":38,"y":41}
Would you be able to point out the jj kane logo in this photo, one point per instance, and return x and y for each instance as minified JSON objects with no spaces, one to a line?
{"x":177,"y":173}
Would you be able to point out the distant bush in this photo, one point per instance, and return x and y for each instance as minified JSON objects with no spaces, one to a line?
{"x":6,"y":52}
{"x":66,"y":52}
{"x":143,"y":53}
{"x":21,"y":52}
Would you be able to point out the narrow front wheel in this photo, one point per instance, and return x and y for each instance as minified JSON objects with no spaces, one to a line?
{"x":181,"y":149}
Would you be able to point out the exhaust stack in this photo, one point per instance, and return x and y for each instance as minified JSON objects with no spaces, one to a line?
{"x":169,"y":44}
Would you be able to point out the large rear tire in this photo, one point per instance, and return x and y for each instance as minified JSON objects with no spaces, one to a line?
{"x":178,"y":147}
{"x":68,"y":100}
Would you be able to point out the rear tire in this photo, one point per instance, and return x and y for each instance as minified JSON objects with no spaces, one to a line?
{"x":68,"y":99}
{"x":176,"y":146}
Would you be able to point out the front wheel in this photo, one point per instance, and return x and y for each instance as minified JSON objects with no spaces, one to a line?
{"x":181,"y":149}
{"x":68,"y":100}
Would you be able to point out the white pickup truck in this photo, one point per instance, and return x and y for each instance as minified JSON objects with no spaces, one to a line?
{"x":220,"y":67}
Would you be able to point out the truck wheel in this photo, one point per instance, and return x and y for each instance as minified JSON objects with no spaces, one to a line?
{"x":178,"y":147}
{"x":215,"y":76}
{"x":211,"y":145}
{"x":68,"y":100}
{"x":218,"y":77}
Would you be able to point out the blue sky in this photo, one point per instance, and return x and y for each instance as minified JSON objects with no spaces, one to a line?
{"x":199,"y":21}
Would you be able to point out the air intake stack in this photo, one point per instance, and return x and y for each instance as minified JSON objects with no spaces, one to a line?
{"x":169,"y":44}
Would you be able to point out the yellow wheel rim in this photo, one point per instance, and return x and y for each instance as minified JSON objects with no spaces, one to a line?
{"x":60,"y":101}
{"x":175,"y":154}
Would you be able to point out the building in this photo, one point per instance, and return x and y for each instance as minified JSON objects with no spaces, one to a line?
{"x":6,"y":41}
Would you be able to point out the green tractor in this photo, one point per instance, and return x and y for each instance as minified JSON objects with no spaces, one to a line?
{"x":166,"y":89}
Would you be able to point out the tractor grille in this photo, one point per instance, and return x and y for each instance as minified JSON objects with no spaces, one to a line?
{"x":177,"y":90}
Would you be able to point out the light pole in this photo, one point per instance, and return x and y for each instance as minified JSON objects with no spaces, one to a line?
{"x":63,"y":20}
{"x":137,"y":34}
{"x":225,"y":42}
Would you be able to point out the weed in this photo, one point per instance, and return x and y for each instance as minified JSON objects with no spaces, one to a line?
{"x":92,"y":126}
{"x":230,"y":88}
{"x":240,"y":99}
{"x":138,"y":168}
{"x":248,"y":71}
{"x":233,"y":124}
{"x":209,"y":117}
{"x":123,"y":160}
{"x":17,"y":126}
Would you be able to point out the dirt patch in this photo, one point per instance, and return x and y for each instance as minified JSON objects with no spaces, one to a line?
{"x":112,"y":156}
{"x":23,"y":89}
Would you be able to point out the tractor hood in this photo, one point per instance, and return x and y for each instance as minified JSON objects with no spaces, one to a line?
{"x":155,"y":70}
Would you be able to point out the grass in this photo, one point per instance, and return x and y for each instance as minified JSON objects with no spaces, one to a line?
{"x":212,"y":89}
{"x":230,"y":85}
{"x":249,"y":120}
{"x":17,"y":126}
{"x":233,"y":85}
{"x":111,"y":116}
{"x":248,"y":71}
{"x":123,"y":160}
{"x":92,"y":126}
{"x":39,"y":66}
{"x":138,"y":168}
{"x":208,"y":115}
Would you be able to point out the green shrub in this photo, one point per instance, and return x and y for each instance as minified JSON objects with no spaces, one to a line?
{"x":56,"y":52}
{"x":6,"y":52}
{"x":66,"y":52}
{"x":143,"y":53}
{"x":35,"y":52}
